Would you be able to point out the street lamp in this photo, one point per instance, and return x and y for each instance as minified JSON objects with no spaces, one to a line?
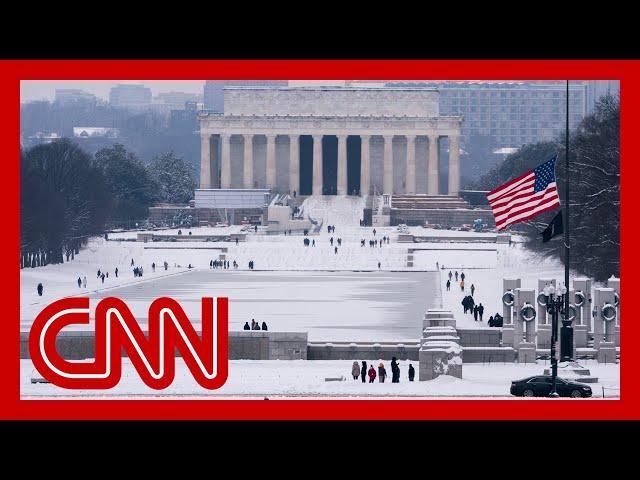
{"x":554,"y":305}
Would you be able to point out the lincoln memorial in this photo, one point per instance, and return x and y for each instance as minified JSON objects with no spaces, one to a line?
{"x":331,"y":140}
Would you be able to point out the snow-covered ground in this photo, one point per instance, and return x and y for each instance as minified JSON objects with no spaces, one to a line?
{"x":306,"y":378}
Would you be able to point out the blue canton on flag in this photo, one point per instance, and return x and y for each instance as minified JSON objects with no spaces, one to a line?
{"x":544,"y":175}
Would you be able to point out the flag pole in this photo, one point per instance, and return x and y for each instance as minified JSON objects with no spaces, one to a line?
{"x":566,"y":213}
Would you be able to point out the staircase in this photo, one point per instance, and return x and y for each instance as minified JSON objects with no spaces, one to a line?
{"x":427,"y":202}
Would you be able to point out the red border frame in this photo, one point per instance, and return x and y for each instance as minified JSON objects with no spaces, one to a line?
{"x":12,"y":407}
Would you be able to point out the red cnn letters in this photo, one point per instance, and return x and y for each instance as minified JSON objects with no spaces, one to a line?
{"x":116,"y":328}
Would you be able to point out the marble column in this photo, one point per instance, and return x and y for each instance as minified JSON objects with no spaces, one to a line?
{"x":342,"y":165}
{"x":225,"y":156}
{"x":317,"y":165}
{"x":205,"y":160}
{"x":387,"y":179}
{"x":433,"y":173}
{"x":454,"y":165}
{"x":365,"y":175}
{"x":411,"y":165}
{"x":294,"y":163}
{"x":271,"y":161}
{"x":248,"y":161}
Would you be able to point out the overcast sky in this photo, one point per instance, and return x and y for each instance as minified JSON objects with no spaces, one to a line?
{"x":45,"y":89}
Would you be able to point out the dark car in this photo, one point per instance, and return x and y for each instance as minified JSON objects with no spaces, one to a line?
{"x":540,"y":386}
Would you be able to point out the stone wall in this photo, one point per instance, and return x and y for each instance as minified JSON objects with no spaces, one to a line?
{"x":450,"y":217}
{"x":362,"y":351}
{"x":479,"y":337}
{"x":243,"y":345}
{"x":332,"y":101}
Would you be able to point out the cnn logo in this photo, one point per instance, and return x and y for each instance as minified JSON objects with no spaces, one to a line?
{"x":153,"y":357}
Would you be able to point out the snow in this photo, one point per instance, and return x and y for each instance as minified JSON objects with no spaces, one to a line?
{"x":306,"y":378}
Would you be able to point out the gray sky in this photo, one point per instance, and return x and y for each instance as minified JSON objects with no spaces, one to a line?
{"x":45,"y":89}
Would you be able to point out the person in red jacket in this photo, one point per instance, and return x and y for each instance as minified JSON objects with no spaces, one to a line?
{"x":372,"y":374}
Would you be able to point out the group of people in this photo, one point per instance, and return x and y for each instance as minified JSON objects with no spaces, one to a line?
{"x":223,"y":264}
{"x":308,"y":242}
{"x":255,"y":325}
{"x":82,"y":282}
{"x":338,"y":241}
{"x":363,"y":372}
{"x":331,"y":229}
{"x":250,"y":264}
{"x":496,"y":320}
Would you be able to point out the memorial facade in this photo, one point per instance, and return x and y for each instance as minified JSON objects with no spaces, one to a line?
{"x":330,"y":140}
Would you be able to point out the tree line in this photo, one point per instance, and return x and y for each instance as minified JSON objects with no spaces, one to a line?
{"x":67,"y":195}
{"x":594,"y":174}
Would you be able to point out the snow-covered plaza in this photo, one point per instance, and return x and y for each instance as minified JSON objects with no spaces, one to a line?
{"x":355,"y":294}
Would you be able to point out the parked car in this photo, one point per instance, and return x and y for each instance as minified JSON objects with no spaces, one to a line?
{"x":540,"y":386}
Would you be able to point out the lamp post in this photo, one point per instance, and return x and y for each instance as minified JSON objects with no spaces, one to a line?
{"x":554,"y":304}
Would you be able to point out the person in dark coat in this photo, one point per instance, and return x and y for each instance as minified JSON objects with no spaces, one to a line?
{"x":117,"y":272}
{"x":480,"y":311}
{"x":395,"y":371}
{"x":264,"y":326}
{"x":456,"y":274}
{"x":79,"y":282}
{"x":372,"y":374}
{"x":40,"y":289}
{"x":246,"y":326}
{"x":132,"y":264}
{"x":473,"y":289}
{"x":363,"y":372}
{"x":450,"y":274}
{"x":475,"y":313}
{"x":491,"y":322}
{"x":412,"y":373}
{"x":378,"y":265}
{"x":382,"y":372}
{"x":448,"y":285}
{"x":462,"y":276}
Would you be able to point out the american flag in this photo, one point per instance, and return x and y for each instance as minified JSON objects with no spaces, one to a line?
{"x":525,"y":197}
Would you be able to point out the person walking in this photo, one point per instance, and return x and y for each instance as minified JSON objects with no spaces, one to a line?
{"x":264,"y":326}
{"x":412,"y":373}
{"x":456,"y":275}
{"x":462,"y":276}
{"x":117,"y":272}
{"x":475,"y":313}
{"x":473,"y":289}
{"x":313,"y":242}
{"x":256,"y":326}
{"x":378,"y":265}
{"x":102,"y":277}
{"x":374,"y":232}
{"x":253,"y":324}
{"x":448,"y":285}
{"x":363,"y":372}
{"x":372,"y":374}
{"x":153,"y":267}
{"x":132,"y":263}
{"x":335,"y":250}
{"x":355,"y":370}
{"x":382,"y":372}
{"x":84,"y":281}
{"x":40,"y":289}
{"x":79,"y":282}
{"x":450,"y":274}
{"x":246,"y":326}
{"x":462,"y":285}
{"x":480,"y":311}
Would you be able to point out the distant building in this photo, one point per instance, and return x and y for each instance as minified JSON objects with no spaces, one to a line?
{"x":94,"y":132}
{"x":71,"y":96}
{"x":512,"y":113}
{"x":213,"y":96}
{"x":130,"y":96}
{"x":177,"y":100}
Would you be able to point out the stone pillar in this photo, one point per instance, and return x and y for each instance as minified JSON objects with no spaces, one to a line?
{"x":433,"y":169}
{"x":317,"y":165}
{"x":365,"y":175}
{"x":454,"y":165}
{"x":271,"y":161}
{"x":411,"y":165}
{"x":205,"y":160}
{"x":248,"y":161}
{"x":387,"y":180}
{"x":342,"y":165}
{"x":225,"y":156}
{"x":294,"y":163}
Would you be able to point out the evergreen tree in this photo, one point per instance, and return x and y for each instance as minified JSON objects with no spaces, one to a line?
{"x":174,"y":178}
